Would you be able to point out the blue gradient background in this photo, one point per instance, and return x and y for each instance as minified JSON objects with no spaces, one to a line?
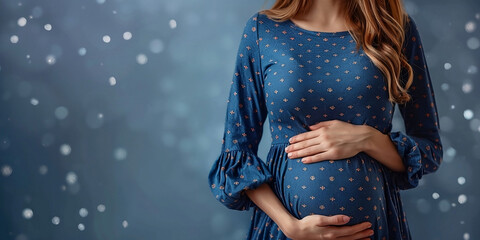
{"x":143,"y":146}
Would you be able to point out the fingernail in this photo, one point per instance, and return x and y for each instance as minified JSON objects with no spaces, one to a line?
{"x":289,"y":154}
{"x":369,"y":224}
{"x":346,"y":219}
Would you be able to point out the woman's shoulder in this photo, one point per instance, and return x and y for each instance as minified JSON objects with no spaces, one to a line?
{"x":412,"y":38}
{"x":411,"y":29}
{"x":259,"y":18}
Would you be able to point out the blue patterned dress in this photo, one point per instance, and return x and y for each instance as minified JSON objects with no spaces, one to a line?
{"x":297,"y":78}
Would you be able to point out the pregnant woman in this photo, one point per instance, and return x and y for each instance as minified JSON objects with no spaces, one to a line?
{"x":328,"y":75}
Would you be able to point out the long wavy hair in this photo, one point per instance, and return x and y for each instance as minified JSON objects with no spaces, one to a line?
{"x":378,"y":27}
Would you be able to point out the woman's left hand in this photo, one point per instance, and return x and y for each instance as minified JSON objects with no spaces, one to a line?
{"x":329,"y":140}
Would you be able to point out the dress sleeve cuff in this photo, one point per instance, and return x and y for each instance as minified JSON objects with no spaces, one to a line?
{"x":412,"y":159}
{"x":233,"y":172}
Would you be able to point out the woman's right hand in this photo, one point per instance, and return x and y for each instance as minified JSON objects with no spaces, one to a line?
{"x":319,"y":227}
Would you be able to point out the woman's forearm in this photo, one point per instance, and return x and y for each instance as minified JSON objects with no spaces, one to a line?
{"x":380,"y":147}
{"x":265,"y":199}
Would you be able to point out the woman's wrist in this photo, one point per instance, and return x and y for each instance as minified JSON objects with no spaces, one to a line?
{"x":369,"y":133}
{"x":268,"y":202}
{"x":288,"y":225}
{"x":380,"y":147}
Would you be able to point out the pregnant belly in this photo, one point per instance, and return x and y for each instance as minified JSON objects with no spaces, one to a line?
{"x":351,"y":186}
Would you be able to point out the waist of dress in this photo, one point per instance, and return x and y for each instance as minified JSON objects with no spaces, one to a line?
{"x":278,"y":148}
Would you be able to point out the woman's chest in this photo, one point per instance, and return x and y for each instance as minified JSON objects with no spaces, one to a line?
{"x":323,"y":80}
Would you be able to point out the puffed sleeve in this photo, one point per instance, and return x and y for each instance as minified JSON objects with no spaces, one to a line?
{"x":420,"y":147}
{"x":238,"y":166}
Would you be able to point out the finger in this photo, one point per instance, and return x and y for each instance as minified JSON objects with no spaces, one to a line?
{"x":303,"y":136}
{"x":322,"y":156}
{"x":365,"y":234}
{"x":302,"y":144}
{"x":311,"y":150}
{"x":351,"y":230}
{"x":295,"y":150}
{"x":333,"y":220}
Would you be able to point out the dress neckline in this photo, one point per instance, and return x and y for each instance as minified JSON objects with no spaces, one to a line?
{"x":318,"y":33}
